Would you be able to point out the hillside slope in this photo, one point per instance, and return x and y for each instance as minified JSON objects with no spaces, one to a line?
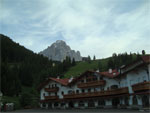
{"x":81,"y":67}
{"x":113,"y":62}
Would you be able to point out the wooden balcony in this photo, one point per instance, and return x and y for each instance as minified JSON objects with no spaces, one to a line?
{"x":91,"y":84}
{"x":141,"y":86}
{"x":51,"y":97}
{"x":117,"y":91}
{"x":55,"y":89}
{"x":98,"y":94}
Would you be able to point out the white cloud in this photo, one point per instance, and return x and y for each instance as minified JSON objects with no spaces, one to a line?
{"x":94,"y":27}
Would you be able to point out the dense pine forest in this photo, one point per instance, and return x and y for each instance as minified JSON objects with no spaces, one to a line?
{"x":22,"y":70}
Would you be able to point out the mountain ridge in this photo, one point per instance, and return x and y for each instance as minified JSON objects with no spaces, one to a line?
{"x":59,"y":50}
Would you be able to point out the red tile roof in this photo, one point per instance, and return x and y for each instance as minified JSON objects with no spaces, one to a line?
{"x":61,"y":81}
{"x":113,"y":74}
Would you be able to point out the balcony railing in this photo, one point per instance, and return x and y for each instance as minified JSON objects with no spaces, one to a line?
{"x":100,"y":93}
{"x":92,"y":84}
{"x":54,"y":89}
{"x":51,"y":97}
{"x":141,"y":86}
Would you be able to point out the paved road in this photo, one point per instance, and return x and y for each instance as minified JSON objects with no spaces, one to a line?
{"x":79,"y":111}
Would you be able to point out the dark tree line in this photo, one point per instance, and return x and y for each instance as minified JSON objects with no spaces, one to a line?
{"x":22,"y":67}
{"x":121,"y":59}
{"x":117,"y":60}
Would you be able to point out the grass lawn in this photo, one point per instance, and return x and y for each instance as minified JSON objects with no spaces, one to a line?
{"x":83,"y":66}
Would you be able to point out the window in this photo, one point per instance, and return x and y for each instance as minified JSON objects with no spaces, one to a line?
{"x":101,"y":78}
{"x":91,"y":103}
{"x":44,"y":94}
{"x":77,"y":91}
{"x":101,"y":103}
{"x":49,"y":94}
{"x":62,"y":93}
{"x":134,"y":99}
{"x":81,"y":104}
{"x":89,"y":90}
{"x":44,"y":105}
{"x":62,"y":104}
{"x":55,"y":85}
{"x":94,"y":79}
{"x":95,"y":89}
{"x":70,"y":92}
{"x":56,"y":104}
{"x":55,"y":94}
{"x":82,"y":81}
{"x":52,"y":85}
{"x":49,"y":86}
{"x":83,"y":91}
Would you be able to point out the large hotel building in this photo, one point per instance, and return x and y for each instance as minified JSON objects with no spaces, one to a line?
{"x":128,"y":87}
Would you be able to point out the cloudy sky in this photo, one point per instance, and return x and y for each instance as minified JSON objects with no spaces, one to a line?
{"x":94,"y":27}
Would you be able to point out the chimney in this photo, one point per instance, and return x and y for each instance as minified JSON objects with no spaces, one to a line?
{"x":70,"y":80}
{"x":110,"y":70}
{"x":114,"y":74}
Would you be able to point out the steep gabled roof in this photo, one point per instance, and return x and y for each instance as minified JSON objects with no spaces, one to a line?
{"x":61,"y":81}
{"x":113,"y":74}
{"x":64,"y":82}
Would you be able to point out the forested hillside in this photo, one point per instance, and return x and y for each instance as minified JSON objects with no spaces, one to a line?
{"x":113,"y":62}
{"x":23,"y":69}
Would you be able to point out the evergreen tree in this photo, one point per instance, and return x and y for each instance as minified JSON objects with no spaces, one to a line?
{"x":110,"y":64}
{"x":94,"y":58}
{"x":73,"y":62}
{"x":89,"y":59}
{"x":143,"y":52}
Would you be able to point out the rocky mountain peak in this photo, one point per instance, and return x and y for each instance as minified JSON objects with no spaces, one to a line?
{"x":59,"y":50}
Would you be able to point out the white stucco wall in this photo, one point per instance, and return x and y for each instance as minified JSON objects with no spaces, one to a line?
{"x":135,"y":77}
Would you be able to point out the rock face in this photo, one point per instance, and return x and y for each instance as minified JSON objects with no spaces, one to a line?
{"x":59,"y":50}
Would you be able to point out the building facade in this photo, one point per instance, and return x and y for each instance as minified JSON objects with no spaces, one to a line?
{"x":128,"y":87}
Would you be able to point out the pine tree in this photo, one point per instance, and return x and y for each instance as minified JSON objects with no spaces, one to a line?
{"x":94,"y":58}
{"x":89,"y":59}
{"x":143,"y":52}
{"x":73,"y":62}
